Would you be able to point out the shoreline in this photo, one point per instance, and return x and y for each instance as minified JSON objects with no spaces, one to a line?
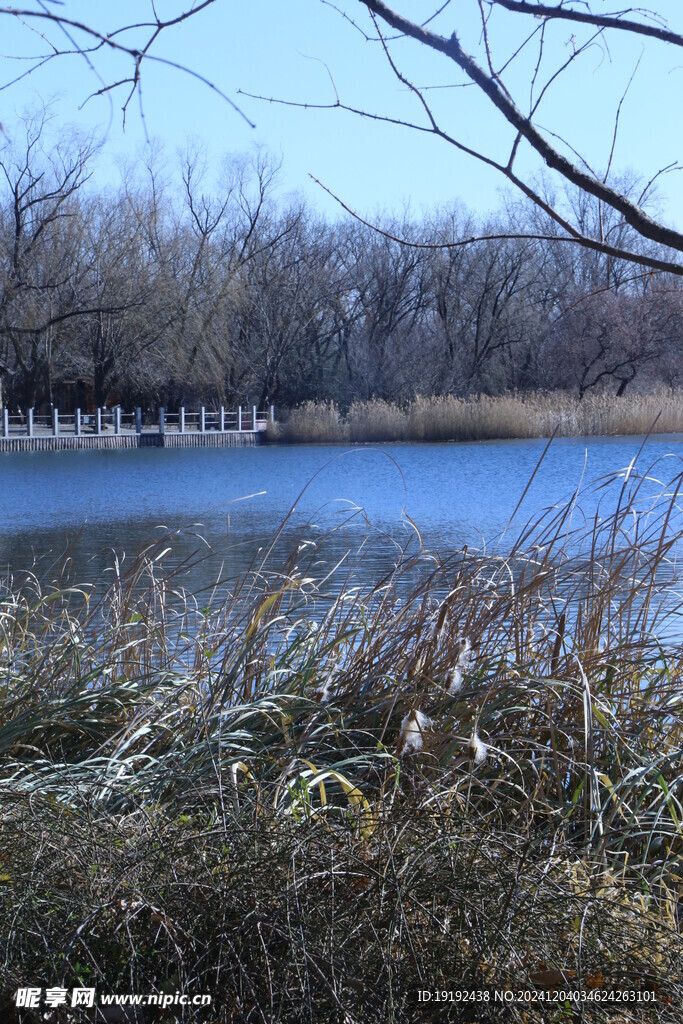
{"x":436,"y":420}
{"x":675,"y":436}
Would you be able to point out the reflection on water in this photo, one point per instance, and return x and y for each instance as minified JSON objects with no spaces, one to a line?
{"x":230,"y":503}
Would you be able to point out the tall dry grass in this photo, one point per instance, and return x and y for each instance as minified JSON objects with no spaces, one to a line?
{"x":310,"y":803}
{"x":447,"y":418}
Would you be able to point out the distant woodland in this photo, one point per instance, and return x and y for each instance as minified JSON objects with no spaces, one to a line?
{"x":165,"y":290}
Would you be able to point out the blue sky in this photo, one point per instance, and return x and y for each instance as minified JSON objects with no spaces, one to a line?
{"x":290,"y":50}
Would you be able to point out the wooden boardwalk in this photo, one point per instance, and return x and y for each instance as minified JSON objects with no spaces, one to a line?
{"x":109,"y":429}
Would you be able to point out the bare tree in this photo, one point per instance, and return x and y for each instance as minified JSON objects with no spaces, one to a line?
{"x":41,"y":263}
{"x":217,"y":238}
{"x":391,"y":282}
{"x":484,"y":299}
{"x":121,"y":319}
{"x":609,"y":338}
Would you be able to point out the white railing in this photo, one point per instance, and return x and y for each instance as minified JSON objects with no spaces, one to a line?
{"x":116,"y":421}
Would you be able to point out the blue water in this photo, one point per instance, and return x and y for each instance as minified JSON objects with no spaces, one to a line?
{"x":89,"y":504}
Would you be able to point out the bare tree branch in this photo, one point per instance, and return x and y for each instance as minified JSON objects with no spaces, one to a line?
{"x":646,"y":226}
{"x":609,"y":21}
{"x":113,"y":41}
{"x":585,"y":241}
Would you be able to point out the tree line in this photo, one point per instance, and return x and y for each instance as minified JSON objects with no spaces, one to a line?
{"x":174,"y":292}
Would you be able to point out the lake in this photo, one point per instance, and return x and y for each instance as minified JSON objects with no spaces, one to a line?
{"x":91,"y":504}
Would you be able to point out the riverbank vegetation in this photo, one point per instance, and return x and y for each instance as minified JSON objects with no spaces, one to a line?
{"x":187,"y":287}
{"x":313,"y":801}
{"x":447,"y":418}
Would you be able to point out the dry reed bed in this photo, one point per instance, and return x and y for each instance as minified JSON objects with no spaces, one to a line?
{"x":312,"y":805}
{"x":483,"y":418}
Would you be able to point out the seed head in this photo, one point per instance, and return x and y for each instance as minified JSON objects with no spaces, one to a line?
{"x":477,"y":749}
{"x":463,"y":664}
{"x":465,"y":656}
{"x":411,"y":735}
{"x":455,"y":680}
